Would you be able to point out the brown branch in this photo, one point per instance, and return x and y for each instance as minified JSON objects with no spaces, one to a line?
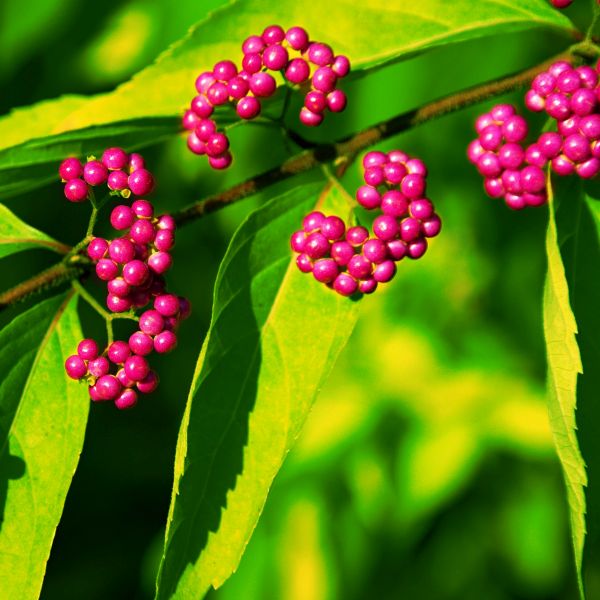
{"x":45,"y":280}
{"x":305,"y":161}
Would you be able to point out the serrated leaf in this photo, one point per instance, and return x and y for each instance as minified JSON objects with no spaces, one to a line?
{"x":15,"y":235}
{"x":43,"y":416}
{"x":564,"y":366}
{"x":274,"y":336}
{"x":370,"y":33}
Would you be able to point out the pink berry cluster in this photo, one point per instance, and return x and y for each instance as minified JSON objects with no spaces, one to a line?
{"x":315,"y":63}
{"x":570,"y":96}
{"x":125,"y":174}
{"x":122,"y":371}
{"x":351,"y":260}
{"x":133,"y":264}
{"x":510,"y":171}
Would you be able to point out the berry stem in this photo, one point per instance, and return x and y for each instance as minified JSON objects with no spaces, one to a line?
{"x":78,"y":287}
{"x":341,"y":152}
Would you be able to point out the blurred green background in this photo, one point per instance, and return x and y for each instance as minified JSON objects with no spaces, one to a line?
{"x":426,"y":469}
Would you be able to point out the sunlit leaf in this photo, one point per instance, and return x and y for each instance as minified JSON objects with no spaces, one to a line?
{"x":564,"y":366}
{"x":42,"y":424}
{"x":274,"y":337}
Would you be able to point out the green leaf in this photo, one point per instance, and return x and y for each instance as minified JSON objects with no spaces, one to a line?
{"x":275,"y":335}
{"x":15,"y":235}
{"x":578,"y":229}
{"x":43,"y":416}
{"x":370,"y":33}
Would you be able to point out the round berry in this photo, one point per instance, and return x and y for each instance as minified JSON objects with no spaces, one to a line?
{"x":70,"y":168}
{"x":225,"y":70}
{"x":341,"y":65}
{"x":93,"y":392}
{"x":108,"y":387}
{"x":511,"y":155}
{"x":297,"y":71}
{"x":190,"y":121}
{"x":248,"y":108}
{"x":117,"y":304}
{"x":576,"y":147}
{"x":316,"y":245}
{"x":367,"y":286}
{"x":136,"y":367}
{"x":119,"y":352}
{"x":262,"y":85}
{"x":533,"y":179}
{"x":217,"y":144}
{"x":491,"y":137}
{"x":385,"y":271}
{"x":76,"y":190}
{"x":534,"y":101}
{"x":396,"y":249}
{"x":313,"y":221}
{"x":375,"y":159}
{"x":115,"y":158}
{"x":121,"y":250}
{"x":489,"y":165}
{"x":297,"y":241}
{"x":165,"y":342}
{"x":126,"y":399}
{"x":202,"y":107}
{"x":562,"y":166}
{"x":494,"y":187}
{"x":121,"y":217}
{"x":309,"y":118}
{"x":417,"y":248}
{"x":204,"y":81}
{"x":160,"y":262}
{"x":141,"y":182}
{"x":99,"y":366}
{"x":297,"y":38}
{"x":501,"y":112}
{"x":148,"y":384}
{"x":167,"y":305}
{"x":590,"y":126}
{"x":558,"y":106}
{"x":117,"y":180}
{"x":395,"y":173}
{"x":97,"y":248}
{"x":152,"y":322}
{"x":136,"y":161}
{"x":88,"y":349}
{"x":431,"y":227}
{"x":252,"y":63}
{"x":375,"y":250}
{"x":164,"y":240}
{"x":325,"y":270}
{"x":141,"y":343}
{"x":135,"y":272}
{"x":550,"y":144}
{"x":75,"y":367}
{"x":273,"y":34}
{"x":421,"y":208}
{"x":394,"y":204}
{"x":95,"y":173}
{"x":360,"y":267}
{"x":342,"y":252}
{"x":237,"y":88}
{"x":514,"y":129}
{"x":217,"y":93}
{"x":315,"y":101}
{"x":583,"y":102}
{"x":106,"y":269}
{"x":304,"y":263}
{"x":368,"y":197}
{"x":142,"y":232}
{"x":589,"y":168}
{"x":320,"y":54}
{"x":413,"y":186}
{"x":118,"y":287}
{"x":324,"y":79}
{"x":195,"y":144}
{"x":345,"y":285}
{"x":333,"y":228}
{"x":142,"y":209}
{"x":253,"y":45}
{"x":357,"y":235}
{"x":220,"y":162}
{"x":535,"y":156}
{"x":275,"y":57}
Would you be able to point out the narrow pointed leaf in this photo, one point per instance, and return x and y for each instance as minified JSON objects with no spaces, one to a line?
{"x":15,"y":235}
{"x":274,"y":337}
{"x":42,"y":424}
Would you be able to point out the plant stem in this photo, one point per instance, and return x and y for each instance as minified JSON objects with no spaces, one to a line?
{"x":91,"y":300}
{"x":342,"y":151}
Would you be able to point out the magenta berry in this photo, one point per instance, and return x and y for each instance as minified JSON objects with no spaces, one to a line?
{"x":108,"y":387}
{"x":141,"y":344}
{"x":333,"y":228}
{"x":95,"y":173}
{"x":310,"y":118}
{"x":136,"y":367}
{"x":248,"y":108}
{"x":316,"y":245}
{"x":97,"y":248}
{"x":368,"y":197}
{"x":141,"y":182}
{"x":167,"y":305}
{"x":121,"y":250}
{"x":106,"y":269}
{"x":76,"y":190}
{"x":273,"y":34}
{"x":262,"y":85}
{"x":345,"y":285}
{"x":75,"y":367}
{"x":115,"y":158}
{"x":117,"y":304}
{"x":275,"y":57}
{"x":148,"y":384}
{"x":297,"y":38}
{"x":297,"y":71}
{"x":88,"y":349}
{"x":160,"y":262}
{"x":142,"y":232}
{"x":152,"y":322}
{"x":98,"y":366}
{"x":325,"y":270}
{"x":165,"y":342}
{"x":135,"y":272}
{"x":119,"y":352}
{"x":70,"y":168}
{"x":126,"y":399}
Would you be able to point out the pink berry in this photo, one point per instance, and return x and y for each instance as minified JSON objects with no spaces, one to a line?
{"x":76,"y":190}
{"x":95,"y":173}
{"x":75,"y":367}
{"x":297,"y":38}
{"x":167,"y":305}
{"x":115,"y":158}
{"x":141,"y":182}
{"x":165,"y":342}
{"x":148,"y":384}
{"x":70,"y":168}
{"x":108,"y":387}
{"x":97,"y":248}
{"x":126,"y":399}
{"x":141,"y":343}
{"x":118,"y":352}
{"x":248,"y":108}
